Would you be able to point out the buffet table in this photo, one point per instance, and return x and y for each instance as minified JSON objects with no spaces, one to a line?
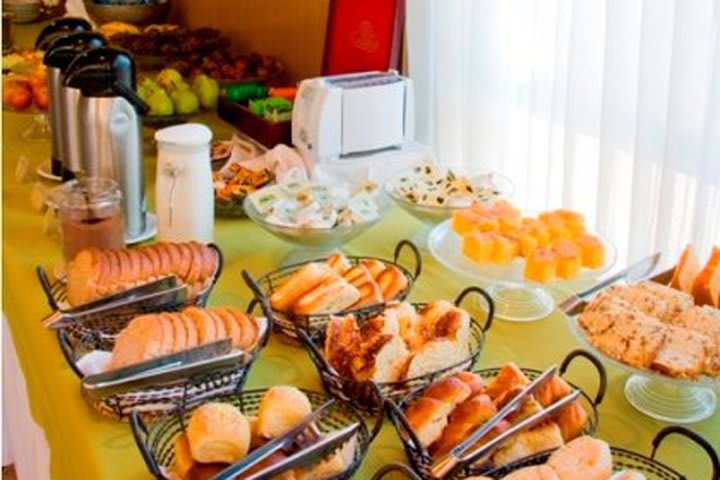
{"x":83,"y":444}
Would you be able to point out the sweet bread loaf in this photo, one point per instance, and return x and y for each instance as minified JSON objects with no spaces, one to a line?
{"x":95,"y":273}
{"x":154,"y":335}
{"x":218,"y":432}
{"x":428,"y":418}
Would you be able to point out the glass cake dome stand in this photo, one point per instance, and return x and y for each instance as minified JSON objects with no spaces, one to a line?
{"x":516,"y":299}
{"x":664,"y":398}
{"x":431,"y":215}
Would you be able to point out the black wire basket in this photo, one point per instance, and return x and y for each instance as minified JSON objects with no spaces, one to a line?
{"x":363,"y":393}
{"x":421,"y":461}
{"x":622,"y":459}
{"x":158,"y":399}
{"x":285,"y":322}
{"x":105,"y":326}
{"x":155,"y":439}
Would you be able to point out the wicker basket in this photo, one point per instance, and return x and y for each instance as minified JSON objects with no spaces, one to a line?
{"x":158,"y":399}
{"x":105,"y":326}
{"x":363,"y":393}
{"x":421,"y":460}
{"x":285,"y":322}
{"x":622,"y":459}
{"x":155,"y":440}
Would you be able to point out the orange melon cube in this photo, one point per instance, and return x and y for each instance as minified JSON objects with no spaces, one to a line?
{"x":538,"y":230}
{"x":463,"y":221}
{"x":509,"y":224}
{"x":592,"y":251}
{"x":503,"y":209}
{"x":568,"y":257}
{"x":541,"y":266}
{"x":558,"y":229}
{"x":478,"y":246}
{"x":528,"y":243}
{"x":504,"y":249}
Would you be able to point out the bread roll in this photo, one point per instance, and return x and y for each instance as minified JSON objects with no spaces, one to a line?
{"x":473,"y":380}
{"x":529,"y":442}
{"x":339,"y":263}
{"x":331,"y":467}
{"x":508,"y":378}
{"x":299,"y":283}
{"x":334,"y":295}
{"x":433,"y":356}
{"x":572,"y":420}
{"x":536,"y":472}
{"x":272,"y":459}
{"x":357,"y":275}
{"x":584,"y":458}
{"x":392,"y":282}
{"x":451,"y":390}
{"x":218,"y":432}
{"x":428,"y":419}
{"x":464,"y":420}
{"x":375,"y":267}
{"x":281,"y":409}
{"x":551,"y":391}
{"x":370,"y":294}
{"x":183,"y":457}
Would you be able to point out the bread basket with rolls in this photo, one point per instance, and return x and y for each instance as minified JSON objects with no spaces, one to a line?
{"x":200,"y":440}
{"x":572,"y":462}
{"x":432,"y":421}
{"x":307,"y":294}
{"x":397,"y":350}
{"x":102,"y":287}
{"x":162,"y":348}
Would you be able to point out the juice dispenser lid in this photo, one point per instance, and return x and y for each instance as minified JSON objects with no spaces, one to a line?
{"x":186,"y":135}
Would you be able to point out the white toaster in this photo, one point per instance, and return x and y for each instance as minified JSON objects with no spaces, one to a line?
{"x":342,"y":116}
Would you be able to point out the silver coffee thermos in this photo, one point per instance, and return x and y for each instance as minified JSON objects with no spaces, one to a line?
{"x":63,"y":100}
{"x":109,"y":115}
{"x":58,"y":28}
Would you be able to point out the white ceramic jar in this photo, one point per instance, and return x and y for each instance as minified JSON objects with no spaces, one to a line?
{"x":183,"y":186}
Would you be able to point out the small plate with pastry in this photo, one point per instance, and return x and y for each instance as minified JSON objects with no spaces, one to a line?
{"x":96,"y":279}
{"x":666,"y":333}
{"x":201,"y":441}
{"x":403,"y":347}
{"x":584,"y":458}
{"x":307,"y":294}
{"x":153,"y":363}
{"x":433,"y":421}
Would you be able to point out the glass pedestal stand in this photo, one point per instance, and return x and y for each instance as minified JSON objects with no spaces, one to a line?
{"x":670,"y":402}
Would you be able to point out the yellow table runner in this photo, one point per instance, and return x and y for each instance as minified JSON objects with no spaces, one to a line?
{"x":85,"y":445}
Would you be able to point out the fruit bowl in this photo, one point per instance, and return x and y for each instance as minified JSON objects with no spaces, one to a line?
{"x":432,"y":215}
{"x":316,"y":242}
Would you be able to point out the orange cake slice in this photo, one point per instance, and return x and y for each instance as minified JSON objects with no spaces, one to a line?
{"x":541,"y":266}
{"x":478,"y":246}
{"x":592,"y":250}
{"x":569,"y":259}
{"x":527,"y":242}
{"x":504,"y":249}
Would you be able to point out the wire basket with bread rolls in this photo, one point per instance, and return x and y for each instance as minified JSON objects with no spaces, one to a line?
{"x":307,"y":294}
{"x":433,"y":421}
{"x":169,"y":357}
{"x":102,"y":286}
{"x":584,"y":458}
{"x":397,"y":350}
{"x":200,"y":441}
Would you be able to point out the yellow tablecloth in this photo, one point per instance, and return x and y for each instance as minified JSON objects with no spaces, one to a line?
{"x":85,"y":445}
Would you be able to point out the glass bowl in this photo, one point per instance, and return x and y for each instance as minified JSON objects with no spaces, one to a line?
{"x":431,"y":215}
{"x":317,"y":241}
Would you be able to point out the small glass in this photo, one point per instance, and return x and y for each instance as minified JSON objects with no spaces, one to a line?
{"x":91,"y":215}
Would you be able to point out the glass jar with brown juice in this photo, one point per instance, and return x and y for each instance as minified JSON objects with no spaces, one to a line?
{"x":91,"y":216}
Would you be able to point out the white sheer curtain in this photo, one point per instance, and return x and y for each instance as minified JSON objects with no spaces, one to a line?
{"x":610,"y":107}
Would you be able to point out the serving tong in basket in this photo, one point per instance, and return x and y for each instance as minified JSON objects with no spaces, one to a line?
{"x":459,"y":455}
{"x":177,"y":367}
{"x":639,"y":270}
{"x":304,"y":436}
{"x":166,"y":292}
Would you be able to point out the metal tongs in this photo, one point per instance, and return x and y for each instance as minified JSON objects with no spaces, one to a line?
{"x":304,"y":436}
{"x":444,"y":465}
{"x":181,"y":366}
{"x":166,"y":292}
{"x":639,"y":270}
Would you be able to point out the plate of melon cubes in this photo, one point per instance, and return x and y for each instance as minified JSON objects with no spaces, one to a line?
{"x":495,"y":241}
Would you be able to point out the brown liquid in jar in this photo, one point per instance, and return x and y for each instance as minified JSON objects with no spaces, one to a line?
{"x":80,"y":233}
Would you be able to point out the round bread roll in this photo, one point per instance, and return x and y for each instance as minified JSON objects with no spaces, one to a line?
{"x":218,"y":432}
{"x":585,"y":457}
{"x":473,"y":380}
{"x":537,"y":472}
{"x":427,"y":418}
{"x":281,"y":409}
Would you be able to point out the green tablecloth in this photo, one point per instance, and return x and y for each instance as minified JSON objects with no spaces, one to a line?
{"x":84,"y":444}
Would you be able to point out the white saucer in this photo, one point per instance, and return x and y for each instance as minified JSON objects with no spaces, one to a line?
{"x":149,"y":232}
{"x":44,"y":171}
